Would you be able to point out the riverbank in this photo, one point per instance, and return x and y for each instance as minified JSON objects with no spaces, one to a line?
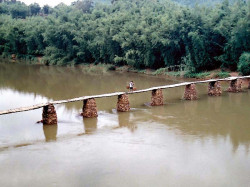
{"x":218,"y":73}
{"x":163,"y":72}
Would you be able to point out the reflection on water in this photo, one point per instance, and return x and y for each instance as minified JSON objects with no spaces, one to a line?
{"x":123,"y":120}
{"x":190,"y":108}
{"x":215,"y":103}
{"x":50,"y":132}
{"x":90,"y":125}
{"x":197,"y":143}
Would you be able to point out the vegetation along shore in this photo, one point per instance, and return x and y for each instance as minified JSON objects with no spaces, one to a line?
{"x":167,"y":37}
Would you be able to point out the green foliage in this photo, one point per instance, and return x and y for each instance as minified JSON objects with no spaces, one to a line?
{"x":160,"y":71}
{"x":221,"y":74}
{"x":46,"y":9}
{"x":19,"y":11}
{"x":111,"y":68}
{"x":85,"y":6}
{"x":4,"y":8}
{"x":34,"y":9}
{"x":236,"y":27}
{"x":196,"y":75}
{"x":244,"y":64}
{"x":142,"y":71}
{"x":192,"y":3}
{"x":173,"y":73}
{"x":138,"y":33}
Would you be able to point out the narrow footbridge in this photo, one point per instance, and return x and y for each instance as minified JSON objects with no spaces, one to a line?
{"x":89,"y":104}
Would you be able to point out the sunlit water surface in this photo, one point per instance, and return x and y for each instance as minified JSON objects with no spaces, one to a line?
{"x":183,"y":143}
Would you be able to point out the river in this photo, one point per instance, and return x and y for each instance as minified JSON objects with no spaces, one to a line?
{"x":182,"y":143}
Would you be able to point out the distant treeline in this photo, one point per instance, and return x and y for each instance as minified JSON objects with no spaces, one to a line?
{"x":138,"y":33}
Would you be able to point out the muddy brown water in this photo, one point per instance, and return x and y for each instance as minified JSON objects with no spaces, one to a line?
{"x":182,"y":143}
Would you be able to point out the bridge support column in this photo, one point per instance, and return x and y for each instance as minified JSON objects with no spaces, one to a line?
{"x":214,"y":88}
{"x":49,"y":115}
{"x":89,"y":109}
{"x":123,"y":103}
{"x":157,"y":97}
{"x":235,"y":86}
{"x":248,"y":83}
{"x":190,"y":92}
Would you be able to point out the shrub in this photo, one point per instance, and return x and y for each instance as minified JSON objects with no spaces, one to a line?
{"x":173,"y":73}
{"x":222,"y":74}
{"x":244,"y":64}
{"x":196,"y":75}
{"x":142,"y":71}
{"x":159,"y":71}
{"x":111,"y":68}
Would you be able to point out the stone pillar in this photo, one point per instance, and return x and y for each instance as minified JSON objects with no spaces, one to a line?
{"x":235,"y":86}
{"x":214,"y":88}
{"x":248,"y":83}
{"x":89,"y":109}
{"x":49,"y":115}
{"x":123,"y":103}
{"x":190,"y":92}
{"x":157,"y":97}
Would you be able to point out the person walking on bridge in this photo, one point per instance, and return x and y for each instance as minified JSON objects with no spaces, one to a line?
{"x":131,"y":86}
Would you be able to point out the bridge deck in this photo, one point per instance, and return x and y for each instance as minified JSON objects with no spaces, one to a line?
{"x":22,"y":109}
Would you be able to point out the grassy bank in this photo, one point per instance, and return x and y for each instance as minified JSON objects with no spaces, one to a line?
{"x":183,"y":74}
{"x":165,"y":72}
{"x":102,"y":68}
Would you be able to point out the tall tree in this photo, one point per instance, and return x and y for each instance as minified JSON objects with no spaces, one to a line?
{"x":34,"y":9}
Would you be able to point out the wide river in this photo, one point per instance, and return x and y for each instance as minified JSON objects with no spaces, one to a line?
{"x":182,"y":143}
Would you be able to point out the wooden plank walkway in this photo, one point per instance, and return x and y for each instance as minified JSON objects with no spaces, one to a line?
{"x":33,"y":107}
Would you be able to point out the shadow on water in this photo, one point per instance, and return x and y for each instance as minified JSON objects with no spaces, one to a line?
{"x":50,"y":132}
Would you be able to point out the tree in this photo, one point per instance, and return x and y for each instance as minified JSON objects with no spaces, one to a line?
{"x":85,"y":6}
{"x":139,"y":33}
{"x":4,"y":9}
{"x":34,"y":9}
{"x":46,"y":9}
{"x":113,"y":1}
{"x":244,"y":63}
{"x":19,"y":11}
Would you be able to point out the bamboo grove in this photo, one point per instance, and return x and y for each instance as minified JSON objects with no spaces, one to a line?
{"x":139,"y":33}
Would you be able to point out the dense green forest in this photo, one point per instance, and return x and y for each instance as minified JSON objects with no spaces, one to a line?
{"x":139,"y":33}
